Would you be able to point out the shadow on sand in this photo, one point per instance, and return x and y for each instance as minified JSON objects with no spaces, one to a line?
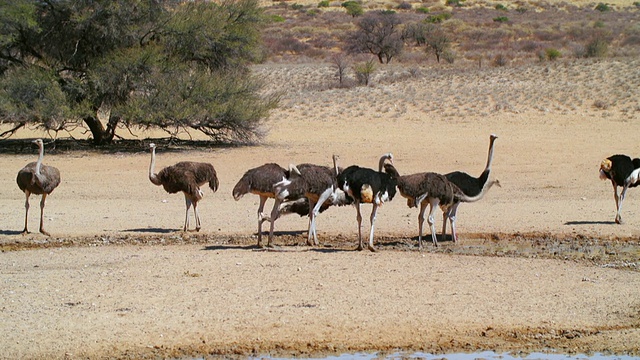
{"x":590,"y":223}
{"x":10,"y":232}
{"x":152,"y":230}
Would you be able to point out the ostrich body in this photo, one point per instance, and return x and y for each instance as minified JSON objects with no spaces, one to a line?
{"x":473,"y":188}
{"x":37,"y":178}
{"x":622,"y":171}
{"x":318,"y":184}
{"x":186,"y":177}
{"x":365,"y":185}
{"x":424,"y":189}
{"x":260,"y":181}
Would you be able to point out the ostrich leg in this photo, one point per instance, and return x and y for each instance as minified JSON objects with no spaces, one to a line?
{"x":374,"y":211}
{"x":197,"y":215}
{"x":619,"y":204}
{"x":359,"y":218}
{"x":451,"y":215}
{"x":186,"y":217}
{"x":26,"y":215}
{"x":313,"y":213}
{"x":261,"y":218}
{"x":275,"y":214}
{"x":431,"y":220}
{"x":44,"y":197}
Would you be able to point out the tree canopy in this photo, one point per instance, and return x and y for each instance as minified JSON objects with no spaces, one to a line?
{"x":172,"y":65}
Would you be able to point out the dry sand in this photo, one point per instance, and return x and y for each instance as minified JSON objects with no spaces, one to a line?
{"x":117,"y":279}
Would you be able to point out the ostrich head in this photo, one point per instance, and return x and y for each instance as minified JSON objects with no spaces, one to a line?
{"x":605,"y":165}
{"x":152,"y":146}
{"x":38,"y":142}
{"x":383,"y":160}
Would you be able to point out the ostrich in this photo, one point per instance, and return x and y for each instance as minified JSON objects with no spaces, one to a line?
{"x":365,"y":185}
{"x":474,"y":189}
{"x":622,"y":171}
{"x":185,"y":176}
{"x":36,"y":178}
{"x":260,"y":181}
{"x":426,"y":188}
{"x":318,"y":184}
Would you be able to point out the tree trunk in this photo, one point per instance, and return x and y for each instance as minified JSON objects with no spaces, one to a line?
{"x":102,"y":136}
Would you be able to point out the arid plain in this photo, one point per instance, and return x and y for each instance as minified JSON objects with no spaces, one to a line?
{"x":540,"y":264}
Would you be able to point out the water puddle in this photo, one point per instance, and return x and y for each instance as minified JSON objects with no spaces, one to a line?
{"x":485,"y":355}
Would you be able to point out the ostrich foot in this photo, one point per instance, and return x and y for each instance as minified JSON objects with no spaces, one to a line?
{"x":619,"y":220}
{"x":371,"y":248}
{"x":360,"y":247}
{"x":25,"y":232}
{"x":43,"y":232}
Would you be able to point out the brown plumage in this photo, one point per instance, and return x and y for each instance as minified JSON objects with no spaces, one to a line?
{"x":318,"y":184}
{"x":426,"y":188}
{"x":37,"y":178}
{"x":260,"y":181}
{"x":186,"y":177}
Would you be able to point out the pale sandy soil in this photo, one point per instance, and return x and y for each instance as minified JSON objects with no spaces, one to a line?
{"x":114,"y":291}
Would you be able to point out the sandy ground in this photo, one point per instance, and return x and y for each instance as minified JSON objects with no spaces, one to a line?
{"x":131,"y":285}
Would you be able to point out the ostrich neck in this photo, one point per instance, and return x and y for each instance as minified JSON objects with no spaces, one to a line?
{"x":490,"y":156}
{"x":335,"y":165}
{"x":381,"y":162}
{"x":152,"y":175}
{"x":39,"y":162}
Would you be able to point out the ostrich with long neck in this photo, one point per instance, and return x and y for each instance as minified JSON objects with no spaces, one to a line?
{"x":473,"y":188}
{"x":186,"y":177}
{"x":37,"y":178}
{"x":365,"y":185}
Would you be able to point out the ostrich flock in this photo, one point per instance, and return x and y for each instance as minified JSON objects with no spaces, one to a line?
{"x":308,"y":189}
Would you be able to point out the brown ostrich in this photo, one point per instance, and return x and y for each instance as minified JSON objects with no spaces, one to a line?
{"x":39,"y":179}
{"x":318,"y":185}
{"x":260,"y":181}
{"x":426,"y":188}
{"x":474,"y":188}
{"x":187,"y":177}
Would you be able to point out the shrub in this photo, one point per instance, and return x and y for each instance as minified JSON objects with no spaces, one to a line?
{"x":449,"y":56}
{"x":364,"y":71}
{"x":552,"y":54}
{"x":456,"y":3}
{"x":521,"y":10}
{"x":422,"y":10}
{"x":324,"y":3}
{"x":597,"y":47}
{"x":501,"y":19}
{"x":501,"y":7}
{"x":297,"y":6}
{"x":602,"y":7}
{"x":404,"y":6}
{"x":500,"y":60}
{"x":436,"y":19}
{"x":353,"y":8}
{"x":276,"y":18}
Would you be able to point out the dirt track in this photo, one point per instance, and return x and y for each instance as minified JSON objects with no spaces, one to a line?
{"x":549,"y":269}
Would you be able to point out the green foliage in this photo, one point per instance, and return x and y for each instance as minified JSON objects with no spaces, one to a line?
{"x":297,"y":6}
{"x":552,"y":54}
{"x":324,"y":4}
{"x":313,"y":12}
{"x":422,"y":10}
{"x":602,"y":7}
{"x":501,"y":7}
{"x":151,"y":63}
{"x":364,"y":71}
{"x":354,"y":8}
{"x":438,"y":18}
{"x":277,"y":18}
{"x":597,"y":47}
{"x":521,"y":9}
{"x":501,"y":19}
{"x":636,"y":4}
{"x":455,"y":3}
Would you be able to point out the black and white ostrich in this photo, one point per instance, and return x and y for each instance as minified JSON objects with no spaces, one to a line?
{"x":37,"y":178}
{"x":423,"y":189}
{"x":186,"y":177}
{"x":366,"y":185}
{"x":622,"y":171}
{"x":261,"y":181}
{"x":318,"y":184}
{"x":473,"y":188}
